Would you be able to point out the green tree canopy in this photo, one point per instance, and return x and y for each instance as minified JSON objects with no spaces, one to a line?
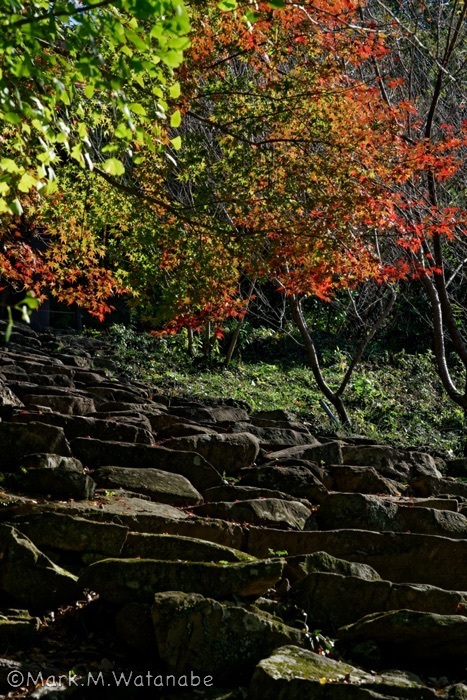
{"x":82,"y":80}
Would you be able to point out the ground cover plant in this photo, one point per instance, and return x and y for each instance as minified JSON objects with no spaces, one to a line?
{"x":394,"y":397}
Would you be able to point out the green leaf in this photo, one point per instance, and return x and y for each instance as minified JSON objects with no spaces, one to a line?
{"x":227,"y":5}
{"x":276,"y":4}
{"x":172,"y":58}
{"x":89,"y":91}
{"x":252,"y":17}
{"x":113,"y":166}
{"x":51,"y":187}
{"x":77,"y":154}
{"x":110,"y":148}
{"x":9,"y":165}
{"x":26,"y":182}
{"x":137,"y":108}
{"x":30,"y":301}
{"x":123,"y":132}
{"x":174,"y":91}
{"x":136,"y":40}
{"x":176,"y":143}
{"x":176,"y":119}
{"x":12,"y":117}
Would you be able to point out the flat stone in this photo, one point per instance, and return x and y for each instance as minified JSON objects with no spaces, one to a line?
{"x":12,"y":372}
{"x":20,"y":439}
{"x":85,"y":377}
{"x":360,"y":480}
{"x":18,"y":630}
{"x":228,"y":453}
{"x":148,"y":408}
{"x":159,"y":485}
{"x":7,"y":397}
{"x":177,"y":430}
{"x":80,"y":361}
{"x":432,"y":521}
{"x":70,"y":533}
{"x":9,"y":503}
{"x":332,"y":600}
{"x":175,"y":547}
{"x":397,"y":556}
{"x":326,"y":453}
{"x":273,"y":438}
{"x":226,"y":641}
{"x":162,"y":421}
{"x":69,"y":405}
{"x":390,"y":461}
{"x":117,"y":429}
{"x":365,"y":512}
{"x":293,"y":674}
{"x":296,"y":481}
{"x":97,"y":453}
{"x":28,"y":578}
{"x":8,"y":666}
{"x":210,"y":414}
{"x":123,"y":580}
{"x":436,"y":503}
{"x":411,"y":635}
{"x":53,"y":475}
{"x":278,"y":419}
{"x":140,"y":516}
{"x":233,"y":492}
{"x":53,"y":379}
{"x":114,"y":392}
{"x":457,"y":467}
{"x":301,"y":565}
{"x":133,"y":624}
{"x":259,"y":511}
{"x":318,"y":471}
{"x":425,"y":486}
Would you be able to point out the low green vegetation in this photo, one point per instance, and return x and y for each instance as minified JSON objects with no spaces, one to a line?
{"x":394,"y":397}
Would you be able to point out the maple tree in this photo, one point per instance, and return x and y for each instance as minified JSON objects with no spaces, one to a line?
{"x":428,"y":43}
{"x":295,"y":168}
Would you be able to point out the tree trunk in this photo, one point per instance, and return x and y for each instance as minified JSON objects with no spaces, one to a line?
{"x":326,"y":390}
{"x":207,"y":341}
{"x":236,"y":333}
{"x":335,"y":396}
{"x":190,"y":342}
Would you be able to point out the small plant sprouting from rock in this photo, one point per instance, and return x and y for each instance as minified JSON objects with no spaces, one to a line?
{"x":278,"y":552}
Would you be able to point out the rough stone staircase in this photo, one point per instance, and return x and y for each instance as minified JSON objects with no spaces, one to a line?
{"x":227,"y":553}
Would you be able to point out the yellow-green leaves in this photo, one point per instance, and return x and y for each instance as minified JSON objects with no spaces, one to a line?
{"x":26,"y":182}
{"x":113,"y":166}
{"x":227,"y":5}
{"x":175,"y":119}
{"x":76,"y":81}
{"x":174,"y":91}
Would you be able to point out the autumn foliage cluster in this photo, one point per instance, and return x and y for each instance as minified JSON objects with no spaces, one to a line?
{"x":304,"y":145}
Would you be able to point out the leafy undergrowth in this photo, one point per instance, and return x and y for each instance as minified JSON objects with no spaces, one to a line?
{"x":395,"y":398}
